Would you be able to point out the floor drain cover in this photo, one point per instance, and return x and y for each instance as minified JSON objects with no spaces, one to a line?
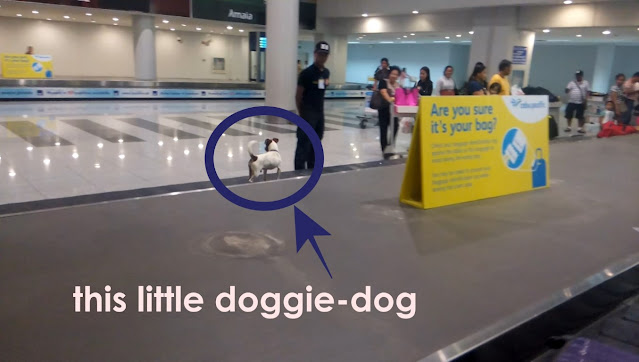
{"x":243,"y":245}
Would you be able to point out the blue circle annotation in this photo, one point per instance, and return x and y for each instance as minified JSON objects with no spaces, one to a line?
{"x":264,"y":205}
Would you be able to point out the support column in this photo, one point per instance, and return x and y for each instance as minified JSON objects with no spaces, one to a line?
{"x":144,"y":47}
{"x":603,"y":68}
{"x":282,"y":26}
{"x":495,"y":37}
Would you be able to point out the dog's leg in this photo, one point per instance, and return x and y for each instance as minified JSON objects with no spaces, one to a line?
{"x":279,"y":172}
{"x":265,"y":171}
{"x":251,"y":175}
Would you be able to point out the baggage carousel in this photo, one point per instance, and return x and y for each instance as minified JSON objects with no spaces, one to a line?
{"x":123,"y":89}
{"x":479,"y":270}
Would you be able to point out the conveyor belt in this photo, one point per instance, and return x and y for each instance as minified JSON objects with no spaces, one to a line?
{"x":472,"y":265}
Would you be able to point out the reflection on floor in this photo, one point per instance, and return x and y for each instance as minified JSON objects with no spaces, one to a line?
{"x":61,"y":149}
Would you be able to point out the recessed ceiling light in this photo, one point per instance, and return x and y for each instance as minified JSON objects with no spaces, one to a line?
{"x":66,"y":17}
{"x":546,"y":30}
{"x":198,"y":29}
{"x":48,"y":19}
{"x":229,"y":27}
{"x":568,"y":2}
{"x":458,"y":35}
{"x":35,"y":12}
{"x":116,"y":19}
{"x":578,"y":35}
{"x":157,"y":26}
{"x":447,"y":37}
{"x":412,"y":34}
{"x":93,"y":21}
{"x":88,"y":14}
{"x":115,"y":23}
{"x":471,"y":32}
{"x":241,"y":30}
{"x":399,"y":38}
{"x":165,"y":21}
{"x":405,"y":36}
{"x":606,"y":32}
{"x":415,"y":12}
{"x":19,"y":15}
{"x":365,"y":15}
{"x":172,"y":29}
{"x":183,"y":24}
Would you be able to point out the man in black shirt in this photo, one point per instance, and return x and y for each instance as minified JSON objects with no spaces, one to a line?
{"x":311,"y":85}
{"x":382,"y":72}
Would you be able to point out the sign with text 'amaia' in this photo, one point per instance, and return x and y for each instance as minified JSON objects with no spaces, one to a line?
{"x":472,"y":148}
{"x":248,"y":11}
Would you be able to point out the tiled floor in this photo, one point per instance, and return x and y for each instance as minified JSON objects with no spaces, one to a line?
{"x":61,"y":149}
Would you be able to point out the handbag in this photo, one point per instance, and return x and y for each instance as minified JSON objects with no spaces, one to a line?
{"x":378,"y":101}
{"x":406,"y":97}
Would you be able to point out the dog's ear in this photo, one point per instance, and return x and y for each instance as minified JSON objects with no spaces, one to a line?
{"x":276,"y":140}
{"x":267,"y":142}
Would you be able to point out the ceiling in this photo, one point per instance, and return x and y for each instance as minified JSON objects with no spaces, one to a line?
{"x":76,"y":14}
{"x":358,"y":8}
{"x":622,"y":35}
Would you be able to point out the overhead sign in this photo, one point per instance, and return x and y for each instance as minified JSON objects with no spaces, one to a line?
{"x":520,"y":55}
{"x":472,"y":148}
{"x":248,"y":11}
{"x":26,"y":66}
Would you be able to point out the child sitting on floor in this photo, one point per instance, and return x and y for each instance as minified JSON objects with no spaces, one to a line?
{"x":609,"y":114}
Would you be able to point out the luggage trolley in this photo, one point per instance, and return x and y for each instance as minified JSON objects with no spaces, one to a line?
{"x":369,"y":113}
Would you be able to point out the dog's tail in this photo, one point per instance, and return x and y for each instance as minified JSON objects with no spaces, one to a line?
{"x":251,"y":146}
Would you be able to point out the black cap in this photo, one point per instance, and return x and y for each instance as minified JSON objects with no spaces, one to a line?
{"x":322,"y":47}
{"x":580,"y":72}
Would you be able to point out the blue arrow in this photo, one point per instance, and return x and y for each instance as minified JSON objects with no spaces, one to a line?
{"x":306,"y":229}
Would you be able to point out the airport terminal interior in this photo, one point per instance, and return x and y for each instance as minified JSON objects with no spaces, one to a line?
{"x":319,"y":180}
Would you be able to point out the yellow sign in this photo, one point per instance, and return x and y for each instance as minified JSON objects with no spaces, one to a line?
{"x":472,"y":148}
{"x":26,"y":66}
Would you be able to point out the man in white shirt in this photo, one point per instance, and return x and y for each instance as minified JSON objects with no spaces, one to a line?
{"x":577,"y":91}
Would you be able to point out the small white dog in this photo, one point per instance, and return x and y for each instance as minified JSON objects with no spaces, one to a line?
{"x":267,"y":161}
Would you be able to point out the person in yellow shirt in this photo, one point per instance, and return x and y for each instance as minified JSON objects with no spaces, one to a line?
{"x":505,"y":68}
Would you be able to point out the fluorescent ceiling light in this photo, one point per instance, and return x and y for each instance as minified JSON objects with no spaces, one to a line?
{"x":415,"y":12}
{"x":18,"y":15}
{"x":35,"y":12}
{"x":458,"y":35}
{"x":447,"y":37}
{"x":229,"y":27}
{"x":172,"y":29}
{"x":606,"y":32}
{"x":568,"y":2}
{"x":412,"y":34}
{"x":88,"y":14}
{"x":546,"y":30}
{"x":471,"y":32}
{"x":241,"y":30}
{"x":198,"y":29}
{"x":365,"y":15}
{"x":578,"y":35}
{"x":66,"y":17}
{"x":165,"y":21}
